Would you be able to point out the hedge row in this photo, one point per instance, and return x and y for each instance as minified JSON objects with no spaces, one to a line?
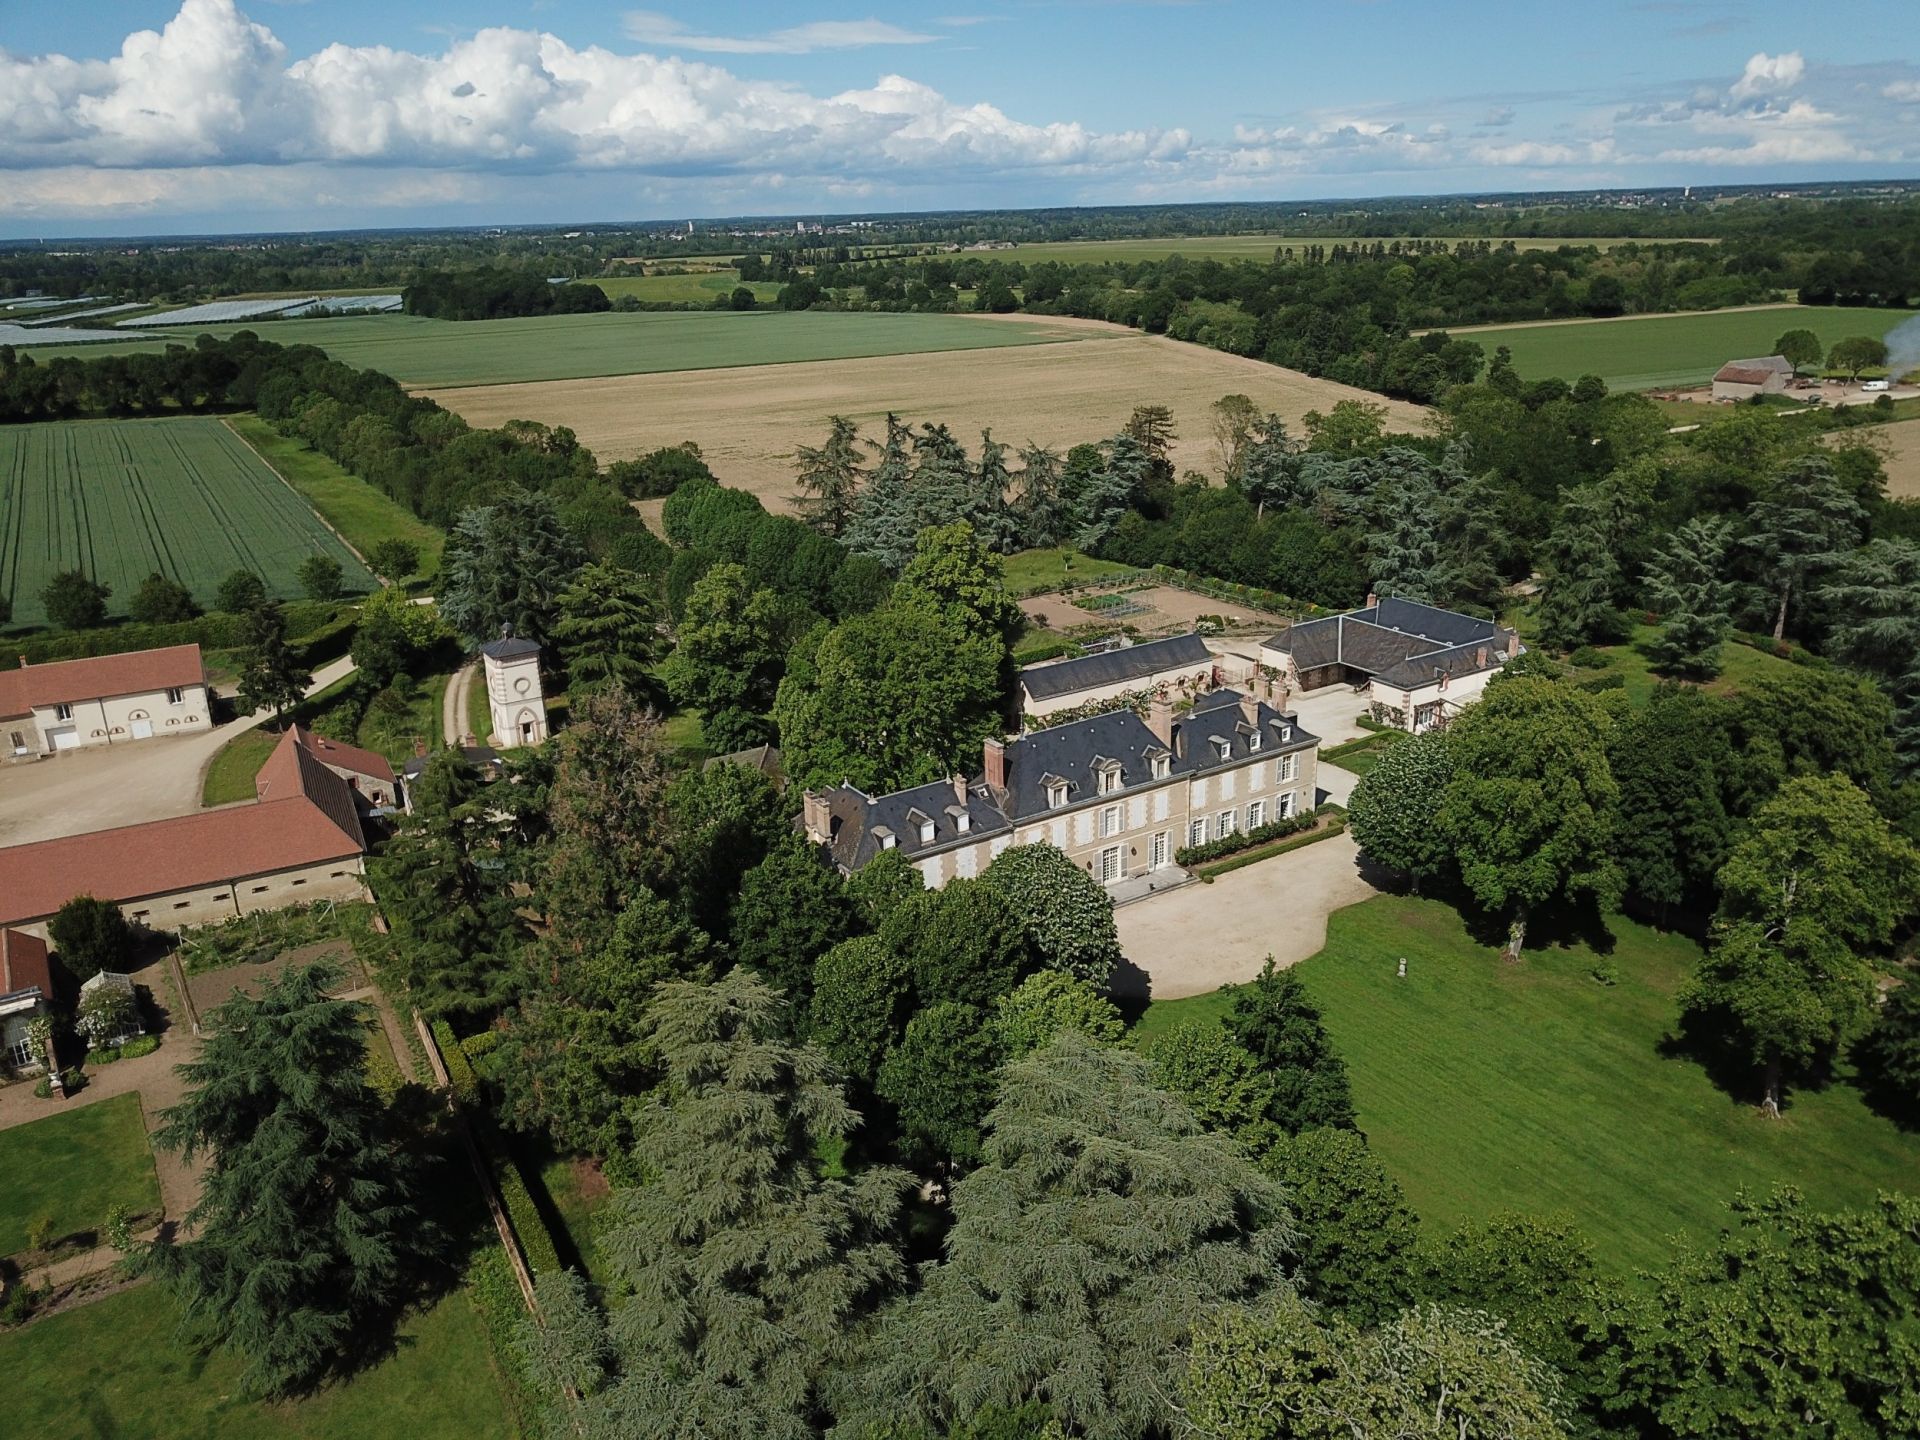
{"x":1299,"y":842}
{"x":321,"y":630}
{"x":1379,"y":740}
{"x":466,"y":1085}
{"x":1245,"y":839}
{"x":1253,"y":595}
{"x":536,"y":1241}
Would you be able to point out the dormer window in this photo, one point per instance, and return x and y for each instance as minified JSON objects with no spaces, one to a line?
{"x":1161,"y":763}
{"x":962,"y":821}
{"x":1056,"y":791}
{"x":884,"y":837}
{"x":923,"y":825}
{"x":1222,"y":748}
{"x":1108,"y":775}
{"x":1253,"y":740}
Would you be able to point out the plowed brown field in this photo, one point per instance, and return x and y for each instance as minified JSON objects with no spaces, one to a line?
{"x":748,"y":420}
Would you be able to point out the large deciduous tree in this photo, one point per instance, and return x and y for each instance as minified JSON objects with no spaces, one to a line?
{"x":1101,"y":1226}
{"x":306,"y":1234}
{"x":728,"y":658}
{"x":1281,"y":1373}
{"x":1818,"y":885}
{"x":74,"y":600}
{"x":1355,"y":1231}
{"x":1065,"y":914}
{"x":1530,"y":813}
{"x":1672,"y":761}
{"x":1393,"y":807}
{"x":792,"y":908}
{"x":745,"y":1271}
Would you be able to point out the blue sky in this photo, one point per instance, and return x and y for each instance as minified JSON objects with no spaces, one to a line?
{"x":141,"y":116}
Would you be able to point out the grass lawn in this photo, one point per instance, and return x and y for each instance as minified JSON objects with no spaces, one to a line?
{"x":1739,"y":665}
{"x":115,"y":1368}
{"x":444,"y":353}
{"x":1358,"y":757}
{"x":1531,"y":1087}
{"x":72,"y":1167}
{"x":353,"y":507}
{"x":124,"y":498}
{"x":578,"y":1202}
{"x":230,"y":776}
{"x":1035,"y":572}
{"x":1653,"y":351}
{"x":680,"y":732}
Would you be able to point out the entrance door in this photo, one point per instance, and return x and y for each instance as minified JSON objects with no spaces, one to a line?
{"x":142,"y":729}
{"x":66,"y":737}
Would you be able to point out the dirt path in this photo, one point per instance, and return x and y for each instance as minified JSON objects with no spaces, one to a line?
{"x":453,"y":705}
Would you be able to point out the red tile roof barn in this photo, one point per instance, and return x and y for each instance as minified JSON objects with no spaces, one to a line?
{"x":305,"y":815}
{"x":347,"y":757}
{"x":98,"y":677}
{"x":23,"y":964}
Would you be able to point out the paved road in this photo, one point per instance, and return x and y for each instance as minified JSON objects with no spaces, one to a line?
{"x":1200,"y":937}
{"x":98,"y":788}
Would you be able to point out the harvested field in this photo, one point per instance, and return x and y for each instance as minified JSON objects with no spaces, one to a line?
{"x":121,"y":499}
{"x":1902,"y":459}
{"x":418,"y":351}
{"x":749,"y":420}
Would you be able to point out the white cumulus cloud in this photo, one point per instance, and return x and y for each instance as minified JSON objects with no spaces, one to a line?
{"x":1769,"y":75}
{"x":650,"y":27}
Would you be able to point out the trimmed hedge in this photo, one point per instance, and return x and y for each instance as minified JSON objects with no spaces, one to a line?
{"x":535,"y":1239}
{"x":1299,"y":842}
{"x":319,"y":630}
{"x":1252,"y":595}
{"x":1379,"y":740}
{"x":1245,"y":839}
{"x":460,"y":1076}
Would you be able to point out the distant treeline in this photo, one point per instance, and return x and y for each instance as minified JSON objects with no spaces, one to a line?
{"x":497,"y":294}
{"x":426,"y":458}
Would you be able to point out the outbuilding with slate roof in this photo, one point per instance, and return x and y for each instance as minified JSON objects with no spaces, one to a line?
{"x":1057,"y":685}
{"x":1744,"y":379}
{"x":1416,"y":664}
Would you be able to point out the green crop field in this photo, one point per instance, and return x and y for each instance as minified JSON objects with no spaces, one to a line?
{"x":1229,"y":247}
{"x":1654,"y":351}
{"x":1486,"y":1086}
{"x":439,"y":353}
{"x":123,"y":498}
{"x":702,"y":287}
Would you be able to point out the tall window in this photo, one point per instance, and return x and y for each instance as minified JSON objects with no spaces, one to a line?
{"x":1110,"y":867}
{"x":1286,"y":806}
{"x":20,"y":1053}
{"x":1256,"y":814}
{"x":1110,"y":821}
{"x":1286,"y":768}
{"x":1160,"y":851}
{"x":1226,"y":824}
{"x":1197,"y":833}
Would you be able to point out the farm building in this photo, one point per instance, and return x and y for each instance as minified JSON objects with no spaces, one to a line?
{"x":1118,"y":793}
{"x":299,"y":841}
{"x":1056,"y":685}
{"x":368,"y":774}
{"x":1743,"y":379}
{"x":1417,"y":664}
{"x":26,"y":994}
{"x":103,"y":700}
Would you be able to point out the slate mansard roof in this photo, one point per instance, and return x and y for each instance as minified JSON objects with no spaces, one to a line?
{"x":1075,"y":753}
{"x":1115,"y":667}
{"x":1402,"y":643}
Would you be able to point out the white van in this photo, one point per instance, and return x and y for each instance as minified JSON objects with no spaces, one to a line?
{"x":1876,"y":384}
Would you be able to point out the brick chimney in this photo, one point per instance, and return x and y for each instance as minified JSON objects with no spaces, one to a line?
{"x":960,"y":789}
{"x":815,"y":815}
{"x":1160,"y":720}
{"x":994,"y":758}
{"x":1373,"y":599}
{"x":1250,"y":709}
{"x":1513,"y":643}
{"x":1480,"y":657}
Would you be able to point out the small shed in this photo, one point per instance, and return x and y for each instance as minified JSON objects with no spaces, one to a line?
{"x":1743,"y":379}
{"x":97,"y":1030}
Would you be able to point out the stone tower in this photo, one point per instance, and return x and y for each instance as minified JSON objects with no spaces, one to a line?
{"x":514,"y":698}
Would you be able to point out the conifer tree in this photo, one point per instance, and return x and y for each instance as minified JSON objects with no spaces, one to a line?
{"x":1041,"y":507}
{"x":881,"y":523}
{"x":271,"y":675}
{"x":1580,"y":582}
{"x":1101,"y":1226}
{"x":303,"y":1242}
{"x":1805,"y":526}
{"x":1874,"y":599}
{"x":745,"y":1271}
{"x":606,"y":633}
{"x":1687,"y":579}
{"x":829,"y":478}
{"x":507,"y":564}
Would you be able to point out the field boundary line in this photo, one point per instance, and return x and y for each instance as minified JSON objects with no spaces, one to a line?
{"x":1613,"y":319}
{"x":254,"y":450}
